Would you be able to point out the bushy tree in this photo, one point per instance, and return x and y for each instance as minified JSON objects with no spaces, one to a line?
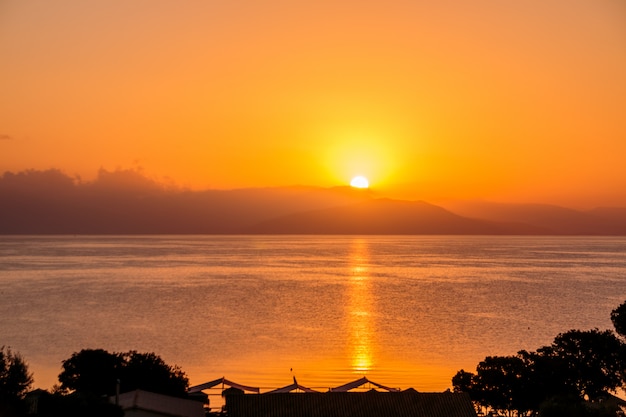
{"x":568,"y":376}
{"x":591,"y":361}
{"x":149,"y":372}
{"x":91,"y":371}
{"x":15,"y":381}
{"x":545,"y":378}
{"x":500,"y":383}
{"x":463,"y":381}
{"x":618,"y":317}
{"x":98,"y":372}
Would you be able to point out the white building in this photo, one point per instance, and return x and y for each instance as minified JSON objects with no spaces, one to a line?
{"x":140,"y":403}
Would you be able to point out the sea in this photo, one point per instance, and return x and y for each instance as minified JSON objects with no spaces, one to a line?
{"x":403,"y":311}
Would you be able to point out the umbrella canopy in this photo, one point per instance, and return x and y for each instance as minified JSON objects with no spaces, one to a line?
{"x":358,"y":383}
{"x":291,"y":387}
{"x":224,"y":381}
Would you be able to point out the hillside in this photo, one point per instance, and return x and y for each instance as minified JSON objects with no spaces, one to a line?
{"x":384,"y":216}
{"x":553,"y":219}
{"x":125,"y":202}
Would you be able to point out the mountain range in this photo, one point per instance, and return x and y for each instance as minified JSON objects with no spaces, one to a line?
{"x":125,"y":202}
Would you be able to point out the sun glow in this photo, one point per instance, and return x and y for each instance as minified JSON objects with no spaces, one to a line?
{"x":359,"y":182}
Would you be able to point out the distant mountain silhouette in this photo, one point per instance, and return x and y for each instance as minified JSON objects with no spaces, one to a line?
{"x":49,"y":202}
{"x":553,"y":219}
{"x":126,"y":202}
{"x":385,"y":216}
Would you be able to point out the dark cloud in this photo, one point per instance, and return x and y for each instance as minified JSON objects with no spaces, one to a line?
{"x":5,"y":137}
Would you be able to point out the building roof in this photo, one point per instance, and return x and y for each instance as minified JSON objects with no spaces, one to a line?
{"x":159,"y":403}
{"x":408,"y":403}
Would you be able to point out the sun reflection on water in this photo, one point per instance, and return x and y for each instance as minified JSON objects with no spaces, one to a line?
{"x":361,"y":328}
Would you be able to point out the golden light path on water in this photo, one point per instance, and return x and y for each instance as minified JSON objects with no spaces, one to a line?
{"x":359,"y":307}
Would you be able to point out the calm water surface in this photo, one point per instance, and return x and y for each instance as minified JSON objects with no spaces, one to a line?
{"x":404,"y":311}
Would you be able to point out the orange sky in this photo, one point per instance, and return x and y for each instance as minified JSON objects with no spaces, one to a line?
{"x":498,"y":100}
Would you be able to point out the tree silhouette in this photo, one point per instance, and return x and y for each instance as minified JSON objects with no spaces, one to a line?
{"x":98,"y":372}
{"x":93,"y":371}
{"x":618,"y":317}
{"x":592,"y":361}
{"x":149,"y":372}
{"x":500,"y":383}
{"x":15,"y":380}
{"x":571,"y":375}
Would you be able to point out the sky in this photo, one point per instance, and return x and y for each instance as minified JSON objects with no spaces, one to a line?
{"x":510,"y":101}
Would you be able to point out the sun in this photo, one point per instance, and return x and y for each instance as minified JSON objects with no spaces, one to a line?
{"x":360,"y":182}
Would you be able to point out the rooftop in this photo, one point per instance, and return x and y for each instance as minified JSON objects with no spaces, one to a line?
{"x":408,"y":403}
